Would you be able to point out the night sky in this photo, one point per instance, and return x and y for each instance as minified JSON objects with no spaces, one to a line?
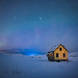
{"x":38,"y":24}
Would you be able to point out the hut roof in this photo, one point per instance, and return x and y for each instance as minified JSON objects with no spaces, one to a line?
{"x":55,"y":47}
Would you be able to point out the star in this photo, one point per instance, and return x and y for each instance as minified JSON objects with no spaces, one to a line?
{"x":40,"y":18}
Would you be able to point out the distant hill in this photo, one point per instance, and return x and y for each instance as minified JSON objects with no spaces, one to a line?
{"x":22,"y":51}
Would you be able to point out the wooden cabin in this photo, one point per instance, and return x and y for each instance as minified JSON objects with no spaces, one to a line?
{"x":60,"y":53}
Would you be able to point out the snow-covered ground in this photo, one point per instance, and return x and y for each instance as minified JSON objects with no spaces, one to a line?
{"x":22,"y":66}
